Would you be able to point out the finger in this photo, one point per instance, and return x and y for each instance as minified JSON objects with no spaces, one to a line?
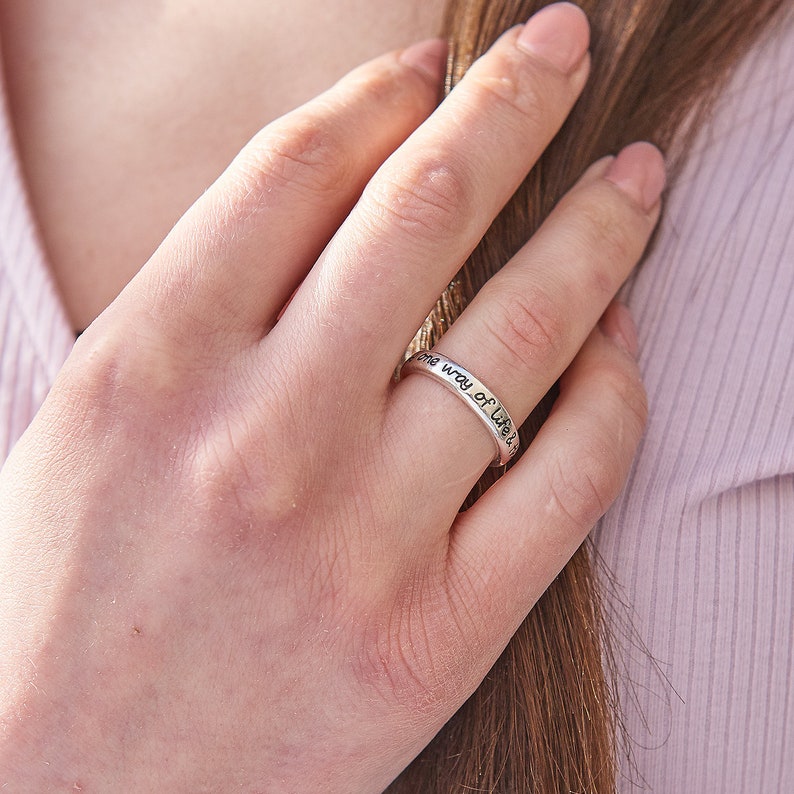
{"x":526,"y":325}
{"x":511,"y":544}
{"x":239,"y":253}
{"x":432,"y":201}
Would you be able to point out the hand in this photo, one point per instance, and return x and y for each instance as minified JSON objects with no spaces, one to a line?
{"x":231,"y":552}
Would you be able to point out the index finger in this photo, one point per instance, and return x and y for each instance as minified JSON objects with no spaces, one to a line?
{"x":431,"y":202}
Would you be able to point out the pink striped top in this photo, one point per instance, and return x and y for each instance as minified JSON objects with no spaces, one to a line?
{"x":35,"y":336}
{"x":702,"y":541}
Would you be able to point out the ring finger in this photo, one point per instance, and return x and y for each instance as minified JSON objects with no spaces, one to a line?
{"x":527,"y":324}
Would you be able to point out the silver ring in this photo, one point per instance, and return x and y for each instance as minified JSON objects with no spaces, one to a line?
{"x":475,"y":394}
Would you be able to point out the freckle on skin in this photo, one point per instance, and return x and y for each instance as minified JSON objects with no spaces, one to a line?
{"x":136,"y":630}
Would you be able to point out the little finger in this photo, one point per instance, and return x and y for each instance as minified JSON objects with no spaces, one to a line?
{"x":506,"y":549}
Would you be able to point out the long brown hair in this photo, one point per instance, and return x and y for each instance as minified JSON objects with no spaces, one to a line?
{"x":545,"y":718}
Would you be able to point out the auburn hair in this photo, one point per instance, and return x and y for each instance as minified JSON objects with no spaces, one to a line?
{"x":545,"y":719}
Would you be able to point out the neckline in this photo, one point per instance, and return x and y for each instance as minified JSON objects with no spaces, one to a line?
{"x":24,"y":264}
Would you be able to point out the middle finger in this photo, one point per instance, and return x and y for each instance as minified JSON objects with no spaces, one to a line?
{"x":432,"y":201}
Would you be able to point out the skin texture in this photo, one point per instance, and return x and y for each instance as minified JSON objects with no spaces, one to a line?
{"x":231,"y":554}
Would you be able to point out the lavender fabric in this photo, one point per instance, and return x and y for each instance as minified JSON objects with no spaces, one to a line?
{"x":35,"y":337}
{"x":701,"y":543}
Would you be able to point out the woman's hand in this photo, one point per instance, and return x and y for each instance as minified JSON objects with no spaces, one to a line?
{"x":231,"y":552}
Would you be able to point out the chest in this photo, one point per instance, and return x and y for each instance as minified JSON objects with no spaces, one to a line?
{"x":125,"y":112}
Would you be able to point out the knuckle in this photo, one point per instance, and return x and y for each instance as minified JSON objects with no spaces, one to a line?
{"x":609,"y":231}
{"x":583,"y":487}
{"x":383,"y":82}
{"x":583,"y":491}
{"x":303,"y":155}
{"x":113,"y":371}
{"x":244,"y":497}
{"x":95,"y":375}
{"x":528,"y":328}
{"x":513,"y":94}
{"x":428,"y":197}
{"x":122,"y":388}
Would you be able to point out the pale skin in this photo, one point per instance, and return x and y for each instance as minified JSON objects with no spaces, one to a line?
{"x":127,"y":112}
{"x":231,"y":552}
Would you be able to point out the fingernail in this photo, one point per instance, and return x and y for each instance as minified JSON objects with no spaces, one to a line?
{"x":558,"y":34}
{"x":618,"y":324}
{"x":639,"y":171}
{"x":429,"y":57}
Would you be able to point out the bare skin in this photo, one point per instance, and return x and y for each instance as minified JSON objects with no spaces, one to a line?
{"x":127,"y":112}
{"x":230,"y":550}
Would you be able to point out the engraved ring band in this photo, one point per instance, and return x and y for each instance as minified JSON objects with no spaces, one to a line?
{"x":475,"y":394}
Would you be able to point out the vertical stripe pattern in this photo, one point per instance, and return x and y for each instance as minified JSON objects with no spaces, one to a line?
{"x":35,"y":337}
{"x":701,"y":542}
